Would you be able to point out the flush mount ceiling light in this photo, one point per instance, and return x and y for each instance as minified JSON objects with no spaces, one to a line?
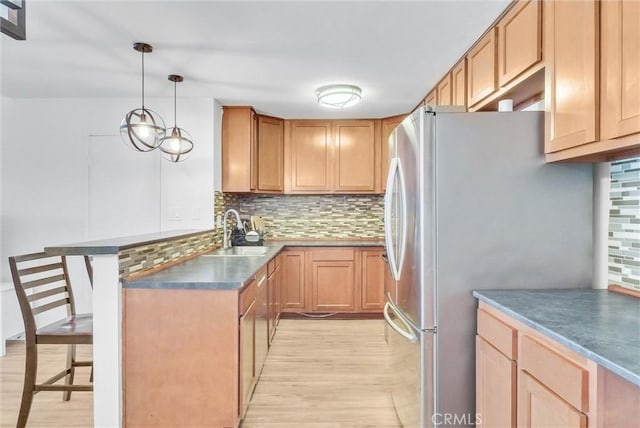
{"x":338,"y":96}
{"x":142,"y":129}
{"x":177,"y":145}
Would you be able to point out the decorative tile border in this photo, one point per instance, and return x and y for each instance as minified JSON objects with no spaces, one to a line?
{"x":140,"y":259}
{"x":624,"y":224}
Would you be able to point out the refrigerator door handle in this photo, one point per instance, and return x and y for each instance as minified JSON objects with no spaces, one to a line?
{"x":407,"y":334}
{"x":395,"y":260}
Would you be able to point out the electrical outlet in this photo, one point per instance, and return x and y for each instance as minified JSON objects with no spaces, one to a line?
{"x":219,"y":222}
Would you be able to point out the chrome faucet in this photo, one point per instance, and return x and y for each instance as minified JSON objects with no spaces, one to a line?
{"x":225,"y":239}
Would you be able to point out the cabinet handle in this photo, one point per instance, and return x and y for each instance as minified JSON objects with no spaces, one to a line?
{"x":262,"y":280}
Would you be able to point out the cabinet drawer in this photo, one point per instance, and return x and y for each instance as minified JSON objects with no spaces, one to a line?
{"x":247,"y":297}
{"x":329,"y":254}
{"x":565,"y":378}
{"x":499,"y":334}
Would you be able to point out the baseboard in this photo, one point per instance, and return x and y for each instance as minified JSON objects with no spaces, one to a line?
{"x":332,"y":316}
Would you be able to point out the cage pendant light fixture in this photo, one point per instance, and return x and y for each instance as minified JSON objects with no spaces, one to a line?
{"x":177,"y":144}
{"x":142,"y":129}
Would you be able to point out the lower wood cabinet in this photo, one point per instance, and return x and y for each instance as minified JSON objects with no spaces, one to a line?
{"x":540,"y":407}
{"x":495,"y":386}
{"x":525,"y":379}
{"x":332,"y":279}
{"x":197,"y":366}
{"x":293,"y":281}
{"x":247,"y":364}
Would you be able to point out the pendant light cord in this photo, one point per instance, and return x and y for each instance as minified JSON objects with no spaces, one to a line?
{"x":143,"y":82}
{"x":175,"y":104}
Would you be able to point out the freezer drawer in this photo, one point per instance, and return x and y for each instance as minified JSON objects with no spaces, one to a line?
{"x":411,"y":366}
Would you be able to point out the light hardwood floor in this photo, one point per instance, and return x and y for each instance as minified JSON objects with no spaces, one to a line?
{"x":48,"y":409}
{"x":318,"y":374}
{"x":324,"y":373}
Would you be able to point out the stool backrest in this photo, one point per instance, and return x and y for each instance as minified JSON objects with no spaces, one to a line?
{"x":42,"y":284}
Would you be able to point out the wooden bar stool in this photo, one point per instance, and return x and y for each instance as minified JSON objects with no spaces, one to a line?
{"x":42,"y":285}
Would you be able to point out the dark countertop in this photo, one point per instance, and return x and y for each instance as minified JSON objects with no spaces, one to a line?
{"x":115,"y":245}
{"x":601,"y":325}
{"x":208,"y":272}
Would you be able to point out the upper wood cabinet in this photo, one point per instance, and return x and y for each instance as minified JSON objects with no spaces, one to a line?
{"x":355,"y":156}
{"x":620,"y":68}
{"x":252,"y":152}
{"x":482,"y":68}
{"x":432,"y":98}
{"x":388,"y":125}
{"x":444,"y":89}
{"x":459,"y":84}
{"x":270,"y":154}
{"x":571,"y":48}
{"x":239,"y":149}
{"x":519,"y":40}
{"x":592,"y":86}
{"x":338,"y":156}
{"x":309,"y":147}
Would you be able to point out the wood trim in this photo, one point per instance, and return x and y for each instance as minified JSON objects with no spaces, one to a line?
{"x":600,"y":151}
{"x":523,"y":88}
{"x":623,"y":290}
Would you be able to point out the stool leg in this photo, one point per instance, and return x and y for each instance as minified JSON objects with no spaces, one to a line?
{"x":71,"y":359}
{"x":30,"y":371}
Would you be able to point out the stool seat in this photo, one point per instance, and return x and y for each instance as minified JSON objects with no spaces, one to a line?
{"x":76,"y":329}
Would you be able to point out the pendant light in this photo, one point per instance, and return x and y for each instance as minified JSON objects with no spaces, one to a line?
{"x":142,"y":129}
{"x":177,"y":144}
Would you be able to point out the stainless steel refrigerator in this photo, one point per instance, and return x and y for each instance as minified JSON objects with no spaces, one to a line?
{"x":470,"y":204}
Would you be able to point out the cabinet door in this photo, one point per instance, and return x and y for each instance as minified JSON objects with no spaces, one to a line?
{"x":293,"y":279}
{"x":247,"y":357}
{"x":277,"y":294}
{"x":238,"y":149}
{"x":355,"y":156}
{"x":538,"y":407}
{"x":459,"y":84}
{"x":432,"y":98}
{"x":481,"y":69}
{"x":311,"y":154}
{"x":444,"y":91}
{"x":332,"y":286}
{"x":270,"y":154}
{"x":495,"y":386}
{"x":271,"y":284}
{"x":388,"y":125}
{"x":571,"y":46}
{"x":620,"y":68}
{"x":372,"y":280}
{"x":519,"y":39}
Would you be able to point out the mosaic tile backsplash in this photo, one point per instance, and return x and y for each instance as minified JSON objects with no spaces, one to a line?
{"x":314,"y":217}
{"x":624,"y":224}
{"x":140,"y":259}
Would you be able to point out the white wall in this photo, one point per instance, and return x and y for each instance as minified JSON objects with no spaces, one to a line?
{"x":44,"y":177}
{"x":217,"y":146}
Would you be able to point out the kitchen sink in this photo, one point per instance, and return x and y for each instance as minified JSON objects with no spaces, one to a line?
{"x":239,"y":252}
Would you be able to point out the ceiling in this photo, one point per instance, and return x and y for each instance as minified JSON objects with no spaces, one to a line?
{"x":272,"y":55}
